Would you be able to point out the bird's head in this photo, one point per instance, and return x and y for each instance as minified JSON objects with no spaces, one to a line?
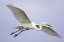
{"x":45,"y":24}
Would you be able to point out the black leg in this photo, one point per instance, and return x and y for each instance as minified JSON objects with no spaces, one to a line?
{"x":18,"y":33}
{"x":14,"y":32}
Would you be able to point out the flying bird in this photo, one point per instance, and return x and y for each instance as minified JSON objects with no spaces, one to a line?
{"x":26,"y":24}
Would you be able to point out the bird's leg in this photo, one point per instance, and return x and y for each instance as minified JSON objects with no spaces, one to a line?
{"x":21,"y":31}
{"x":14,"y":32}
{"x":18,"y":33}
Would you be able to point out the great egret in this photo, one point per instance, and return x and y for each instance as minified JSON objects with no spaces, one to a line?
{"x":26,"y":24}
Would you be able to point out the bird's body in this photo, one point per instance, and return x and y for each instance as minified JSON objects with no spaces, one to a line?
{"x":31,"y":25}
{"x":27,"y":24}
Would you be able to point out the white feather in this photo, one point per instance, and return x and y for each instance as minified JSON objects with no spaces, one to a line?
{"x":26,"y":23}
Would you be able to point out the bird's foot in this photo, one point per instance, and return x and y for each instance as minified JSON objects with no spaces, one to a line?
{"x":15,"y":35}
{"x":18,"y":33}
{"x":12,"y":33}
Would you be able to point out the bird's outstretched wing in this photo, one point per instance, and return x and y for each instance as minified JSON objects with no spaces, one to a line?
{"x":50,"y":31}
{"x":19,"y":14}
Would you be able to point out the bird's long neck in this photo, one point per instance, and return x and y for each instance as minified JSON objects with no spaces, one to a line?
{"x":38,"y":27}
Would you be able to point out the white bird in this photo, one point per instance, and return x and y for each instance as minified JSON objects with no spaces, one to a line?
{"x":27,"y":24}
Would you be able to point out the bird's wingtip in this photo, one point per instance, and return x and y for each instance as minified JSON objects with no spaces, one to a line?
{"x":59,"y":36}
{"x":9,"y":4}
